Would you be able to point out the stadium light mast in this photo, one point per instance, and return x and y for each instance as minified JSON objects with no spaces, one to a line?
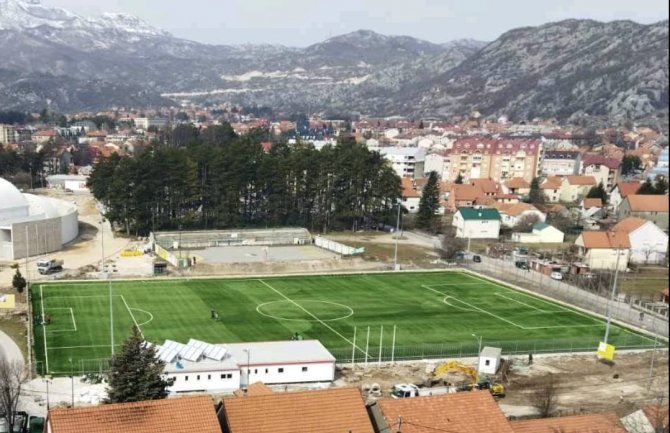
{"x":105,"y":272}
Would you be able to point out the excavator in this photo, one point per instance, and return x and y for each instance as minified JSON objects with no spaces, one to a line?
{"x":496,"y":389}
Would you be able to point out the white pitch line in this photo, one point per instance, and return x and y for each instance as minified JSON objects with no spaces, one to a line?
{"x":523,"y":303}
{"x":527,"y":328}
{"x":132,"y":316}
{"x":81,"y":347}
{"x":593,"y":319}
{"x":452,"y":284}
{"x":44,"y":331}
{"x":315,"y":317}
{"x":73,"y":321}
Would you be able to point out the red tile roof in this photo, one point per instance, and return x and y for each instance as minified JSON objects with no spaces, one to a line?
{"x":174,"y":415}
{"x":627,"y":188}
{"x":463,"y":412}
{"x":611,"y":163}
{"x":629,"y":224}
{"x":336,"y":410}
{"x":581,"y":180}
{"x":463,"y":192}
{"x":603,"y":239}
{"x":552,"y":182}
{"x":592,"y":202}
{"x":517,"y":183}
{"x":648,"y":203}
{"x":599,"y":422}
{"x":256,"y":388}
{"x":408,"y":190}
{"x":515,"y":209}
{"x":488,"y":186}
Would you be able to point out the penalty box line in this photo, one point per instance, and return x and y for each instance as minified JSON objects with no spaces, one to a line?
{"x":74,"y":322}
{"x":313,"y":316}
{"x":527,"y":328}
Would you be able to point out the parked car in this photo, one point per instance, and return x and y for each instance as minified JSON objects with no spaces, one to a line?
{"x":477,"y":259}
{"x":522,"y":265}
{"x":556,"y":275}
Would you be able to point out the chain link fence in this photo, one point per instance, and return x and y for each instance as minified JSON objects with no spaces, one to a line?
{"x":596,"y":300}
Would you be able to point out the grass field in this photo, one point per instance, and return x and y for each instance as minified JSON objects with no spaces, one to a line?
{"x":434,"y":314}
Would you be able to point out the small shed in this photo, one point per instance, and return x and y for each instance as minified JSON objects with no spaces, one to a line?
{"x":489,"y":360}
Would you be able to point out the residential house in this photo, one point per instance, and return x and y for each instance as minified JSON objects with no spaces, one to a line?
{"x":542,"y":233}
{"x":622,"y":190}
{"x":513,"y":213}
{"x":591,"y":209}
{"x":44,"y":136}
{"x":590,"y":423}
{"x":471,"y":412}
{"x":551,"y":187}
{"x":516,"y":185}
{"x":494,"y":158}
{"x":463,"y":195}
{"x":174,"y":415}
{"x":560,"y":163}
{"x":574,"y":188}
{"x":605,"y":170}
{"x":410,"y":196}
{"x":648,"y":243}
{"x":488,"y":186}
{"x":604,"y":249}
{"x":662,"y":167}
{"x":334,"y":410}
{"x":477,"y":223}
{"x":649,"y":207}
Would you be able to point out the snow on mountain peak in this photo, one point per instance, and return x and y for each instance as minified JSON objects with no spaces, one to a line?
{"x":27,"y":15}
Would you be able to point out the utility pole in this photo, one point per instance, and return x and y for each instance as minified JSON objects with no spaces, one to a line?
{"x":397,"y":235}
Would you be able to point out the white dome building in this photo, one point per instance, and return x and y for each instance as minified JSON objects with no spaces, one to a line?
{"x":31,"y":225}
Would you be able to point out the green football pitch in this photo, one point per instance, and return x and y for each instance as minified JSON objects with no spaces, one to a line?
{"x":409,"y":316}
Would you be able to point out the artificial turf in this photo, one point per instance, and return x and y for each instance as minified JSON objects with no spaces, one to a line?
{"x":433,"y":314}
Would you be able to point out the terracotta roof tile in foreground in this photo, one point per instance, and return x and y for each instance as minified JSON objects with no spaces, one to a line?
{"x":599,"y":422}
{"x":174,"y":415}
{"x":463,"y":412}
{"x":337,"y":410}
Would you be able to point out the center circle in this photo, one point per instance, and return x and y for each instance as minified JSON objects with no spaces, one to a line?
{"x":305,"y":310}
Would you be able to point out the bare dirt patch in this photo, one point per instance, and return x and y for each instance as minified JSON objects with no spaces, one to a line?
{"x":584,"y":385}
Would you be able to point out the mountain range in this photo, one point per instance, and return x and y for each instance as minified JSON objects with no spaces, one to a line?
{"x":567,"y":70}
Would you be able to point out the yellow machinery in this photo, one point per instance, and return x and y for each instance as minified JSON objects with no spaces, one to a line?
{"x":496,"y":389}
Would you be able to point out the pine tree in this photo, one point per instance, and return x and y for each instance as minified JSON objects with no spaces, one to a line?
{"x":459,"y":179}
{"x":598,"y":191}
{"x":661,"y":185}
{"x":136,"y":372}
{"x":430,"y":202}
{"x":646,"y":188}
{"x":535,"y":196}
{"x":18,"y":282}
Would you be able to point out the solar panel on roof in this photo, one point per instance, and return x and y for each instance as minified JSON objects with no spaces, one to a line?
{"x":216,"y":352}
{"x":190,"y":353}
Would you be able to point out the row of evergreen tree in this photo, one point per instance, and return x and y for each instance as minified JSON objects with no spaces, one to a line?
{"x":235,"y":183}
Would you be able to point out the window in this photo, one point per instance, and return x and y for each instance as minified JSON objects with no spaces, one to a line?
{"x":280,"y":370}
{"x":185,"y":378}
{"x":304,"y":369}
{"x":488,"y":362}
{"x":223,"y":376}
{"x":197,"y":377}
{"x":255,"y":371}
{"x":209,"y":377}
{"x":266,"y":371}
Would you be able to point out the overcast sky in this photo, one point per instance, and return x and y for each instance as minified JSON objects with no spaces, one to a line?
{"x":304,"y":22}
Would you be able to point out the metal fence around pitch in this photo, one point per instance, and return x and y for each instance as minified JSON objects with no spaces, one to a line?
{"x":419,"y":352}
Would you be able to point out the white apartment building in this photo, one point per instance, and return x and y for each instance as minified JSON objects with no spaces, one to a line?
{"x":7,"y":134}
{"x":145,"y":122}
{"x":406,"y":161}
{"x":437,"y":163}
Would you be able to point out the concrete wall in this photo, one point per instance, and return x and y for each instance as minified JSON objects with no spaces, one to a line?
{"x":43,"y":236}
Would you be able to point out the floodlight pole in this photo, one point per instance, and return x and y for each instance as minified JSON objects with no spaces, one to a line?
{"x":611,"y":300}
{"x":479,"y":339}
{"x":109,"y":278}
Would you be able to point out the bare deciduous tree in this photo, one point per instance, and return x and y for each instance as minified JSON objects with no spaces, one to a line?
{"x":545,"y":396}
{"x":12,"y":376}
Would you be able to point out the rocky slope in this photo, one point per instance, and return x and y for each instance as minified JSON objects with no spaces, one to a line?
{"x":564,"y":70}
